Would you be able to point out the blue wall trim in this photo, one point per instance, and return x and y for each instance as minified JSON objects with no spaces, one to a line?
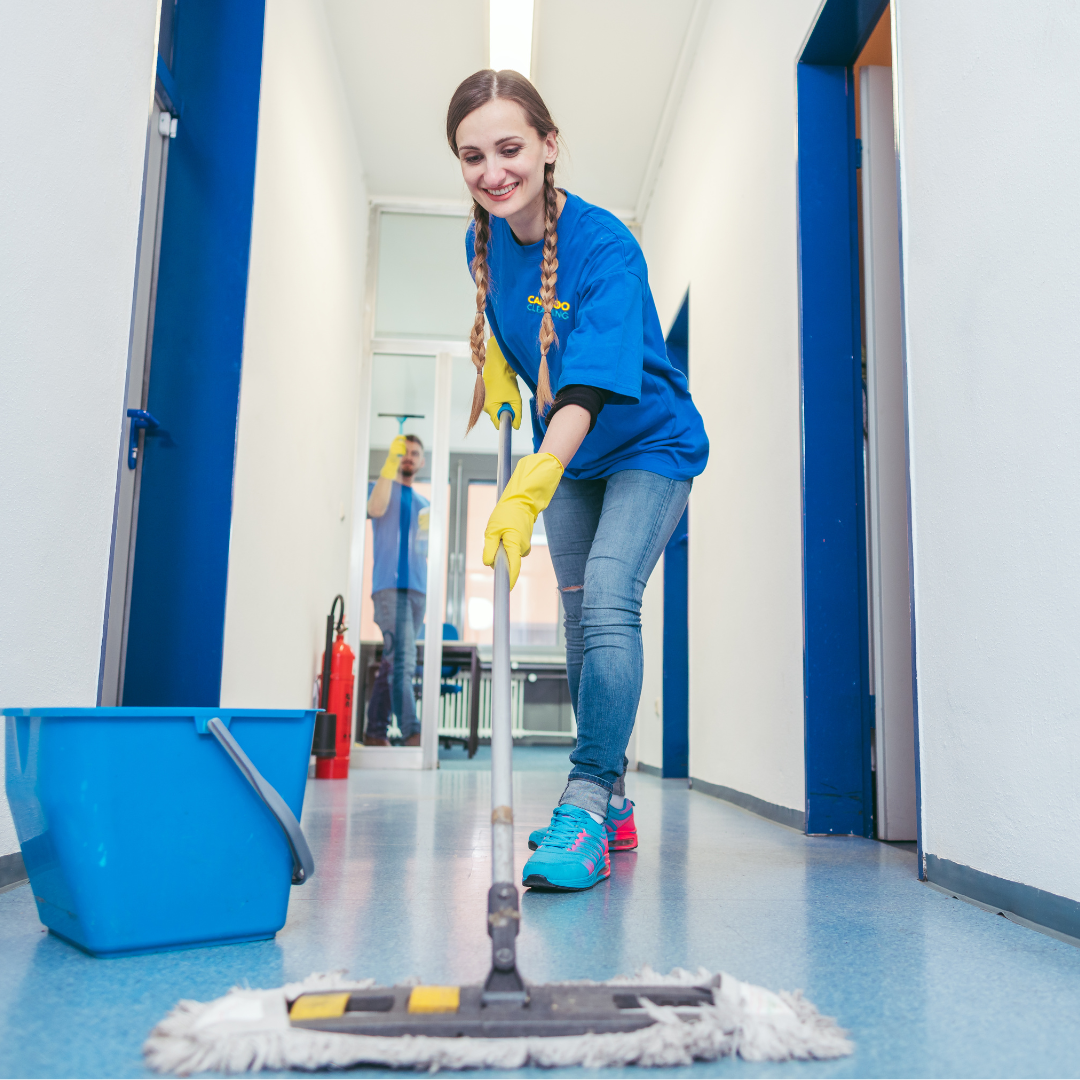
{"x":841,"y":30}
{"x":185,"y":507}
{"x":676,"y":735}
{"x":676,"y":713}
{"x":838,"y":717}
{"x":1045,"y":908}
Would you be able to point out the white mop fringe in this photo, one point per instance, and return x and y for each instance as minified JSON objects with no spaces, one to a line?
{"x":248,"y":1030}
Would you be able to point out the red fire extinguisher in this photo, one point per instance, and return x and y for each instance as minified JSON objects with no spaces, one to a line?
{"x":336,"y":694}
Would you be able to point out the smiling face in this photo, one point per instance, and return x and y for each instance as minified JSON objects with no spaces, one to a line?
{"x":502,"y":159}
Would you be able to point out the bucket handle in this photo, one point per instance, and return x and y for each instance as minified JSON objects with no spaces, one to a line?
{"x":303,"y":863}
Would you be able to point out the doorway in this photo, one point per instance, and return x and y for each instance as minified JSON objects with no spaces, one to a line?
{"x":854,"y":458}
{"x":174,"y":635}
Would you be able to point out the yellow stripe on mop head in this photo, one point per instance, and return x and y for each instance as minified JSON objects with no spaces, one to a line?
{"x":435,"y":999}
{"x":319,"y":1006}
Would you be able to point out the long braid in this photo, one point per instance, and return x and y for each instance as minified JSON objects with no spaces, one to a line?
{"x":549,"y":267}
{"x":482,"y":235}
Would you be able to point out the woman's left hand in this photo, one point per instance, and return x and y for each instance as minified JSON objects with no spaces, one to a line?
{"x":526,"y":495}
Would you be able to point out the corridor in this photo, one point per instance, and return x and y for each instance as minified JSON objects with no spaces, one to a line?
{"x":928,"y":985}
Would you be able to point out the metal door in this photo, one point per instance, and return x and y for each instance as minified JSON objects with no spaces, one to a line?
{"x":890,"y":613}
{"x":137,"y":421}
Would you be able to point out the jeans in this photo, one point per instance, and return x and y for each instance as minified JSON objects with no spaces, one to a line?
{"x":605,"y":536}
{"x":399,"y":614}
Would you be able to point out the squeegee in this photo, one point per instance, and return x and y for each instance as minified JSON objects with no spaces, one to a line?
{"x":505,"y":1005}
{"x":401,"y":417}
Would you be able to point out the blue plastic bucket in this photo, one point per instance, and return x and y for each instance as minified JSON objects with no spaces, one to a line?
{"x":146,"y":829}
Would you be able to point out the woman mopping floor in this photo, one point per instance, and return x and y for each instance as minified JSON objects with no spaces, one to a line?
{"x":627,"y":479}
{"x":565,"y":289}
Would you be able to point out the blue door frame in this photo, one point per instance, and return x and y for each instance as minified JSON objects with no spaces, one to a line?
{"x":177,"y":622}
{"x":676,"y":713}
{"x":838,"y":717}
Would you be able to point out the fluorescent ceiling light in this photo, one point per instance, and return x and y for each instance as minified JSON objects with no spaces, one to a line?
{"x":510,"y":26}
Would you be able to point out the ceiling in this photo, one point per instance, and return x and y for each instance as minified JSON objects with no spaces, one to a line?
{"x":604,"y":67}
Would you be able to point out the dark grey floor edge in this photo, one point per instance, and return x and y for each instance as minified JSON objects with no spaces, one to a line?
{"x":12,"y":870}
{"x":1043,"y":908}
{"x":652,"y":770}
{"x":793,"y":819}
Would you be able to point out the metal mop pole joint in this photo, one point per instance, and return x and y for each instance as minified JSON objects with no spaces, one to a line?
{"x":504,"y":986}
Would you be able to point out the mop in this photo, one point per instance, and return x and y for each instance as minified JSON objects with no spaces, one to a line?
{"x":330,"y":1022}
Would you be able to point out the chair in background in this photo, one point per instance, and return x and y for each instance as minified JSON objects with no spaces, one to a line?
{"x":449,"y":671}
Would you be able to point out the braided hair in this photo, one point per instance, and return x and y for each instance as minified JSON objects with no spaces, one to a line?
{"x":481,"y":236}
{"x":549,"y":266}
{"x":477,"y":90}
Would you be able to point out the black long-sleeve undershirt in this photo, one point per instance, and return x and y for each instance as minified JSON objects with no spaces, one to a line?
{"x":590,"y":398}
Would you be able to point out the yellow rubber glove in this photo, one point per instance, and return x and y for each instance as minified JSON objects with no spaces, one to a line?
{"x":500,"y":385}
{"x":528,"y":492}
{"x":398,"y":449}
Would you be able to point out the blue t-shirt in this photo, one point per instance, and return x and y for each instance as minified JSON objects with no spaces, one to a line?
{"x":400,"y":550}
{"x":609,"y":337}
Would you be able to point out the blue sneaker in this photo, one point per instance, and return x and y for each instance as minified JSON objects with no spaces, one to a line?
{"x":573,"y":854}
{"x":621,"y":830}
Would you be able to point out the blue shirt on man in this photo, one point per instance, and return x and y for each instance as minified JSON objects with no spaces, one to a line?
{"x":400,"y":541}
{"x":609,"y":336}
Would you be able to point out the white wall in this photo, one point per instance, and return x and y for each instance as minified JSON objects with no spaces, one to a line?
{"x":990,"y":165}
{"x":722,"y":220}
{"x":76,"y":86}
{"x":299,"y":396}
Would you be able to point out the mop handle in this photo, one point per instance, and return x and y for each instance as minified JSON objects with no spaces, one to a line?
{"x":502,"y":740}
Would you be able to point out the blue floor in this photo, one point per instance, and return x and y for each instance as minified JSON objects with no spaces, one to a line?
{"x":928,"y":985}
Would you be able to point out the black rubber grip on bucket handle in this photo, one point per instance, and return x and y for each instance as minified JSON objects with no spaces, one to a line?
{"x":303,"y":862}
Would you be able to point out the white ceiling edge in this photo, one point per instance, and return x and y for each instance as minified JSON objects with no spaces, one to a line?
{"x":418,"y":346}
{"x":671,"y":108}
{"x":417,"y":204}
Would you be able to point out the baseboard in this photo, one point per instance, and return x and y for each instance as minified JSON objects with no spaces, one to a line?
{"x":12,"y":870}
{"x":652,"y":770}
{"x":782,"y":815}
{"x":1032,"y":907}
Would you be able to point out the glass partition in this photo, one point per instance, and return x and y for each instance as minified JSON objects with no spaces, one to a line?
{"x":394,"y":598}
{"x":424,"y":300}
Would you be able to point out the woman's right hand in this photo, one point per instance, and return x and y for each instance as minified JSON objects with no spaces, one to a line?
{"x":500,"y":384}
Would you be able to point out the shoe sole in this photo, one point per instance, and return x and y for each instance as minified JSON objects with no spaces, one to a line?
{"x":538,"y":881}
{"x":614,"y":846}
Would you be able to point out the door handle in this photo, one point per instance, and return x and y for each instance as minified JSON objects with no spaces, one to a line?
{"x":140,"y":419}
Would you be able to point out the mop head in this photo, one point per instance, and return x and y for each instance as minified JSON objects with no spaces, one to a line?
{"x":249,"y":1030}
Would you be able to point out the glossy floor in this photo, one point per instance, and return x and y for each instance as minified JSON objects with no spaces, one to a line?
{"x":928,"y":985}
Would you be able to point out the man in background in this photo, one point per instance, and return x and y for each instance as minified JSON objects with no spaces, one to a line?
{"x":399,"y":521}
